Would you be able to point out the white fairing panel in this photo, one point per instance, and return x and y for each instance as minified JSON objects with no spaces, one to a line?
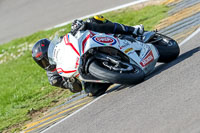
{"x":67,"y":56}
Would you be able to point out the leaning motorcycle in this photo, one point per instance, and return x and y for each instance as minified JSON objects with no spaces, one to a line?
{"x":107,"y":58}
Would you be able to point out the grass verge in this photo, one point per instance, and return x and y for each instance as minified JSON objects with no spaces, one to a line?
{"x":24,"y":87}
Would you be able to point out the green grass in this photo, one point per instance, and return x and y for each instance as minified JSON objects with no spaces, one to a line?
{"x":24,"y":86}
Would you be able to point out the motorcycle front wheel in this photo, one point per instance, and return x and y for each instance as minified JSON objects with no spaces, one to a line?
{"x":102,"y":72}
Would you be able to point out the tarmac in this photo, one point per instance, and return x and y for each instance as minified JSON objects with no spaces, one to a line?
{"x":179,"y":28}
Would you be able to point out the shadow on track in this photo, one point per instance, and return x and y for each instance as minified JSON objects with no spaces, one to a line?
{"x":163,"y":67}
{"x":160,"y":68}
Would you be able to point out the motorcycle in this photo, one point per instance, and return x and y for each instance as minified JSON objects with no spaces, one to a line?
{"x":107,"y":58}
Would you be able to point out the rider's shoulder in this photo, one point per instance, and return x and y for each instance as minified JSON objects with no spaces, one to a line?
{"x":97,"y":19}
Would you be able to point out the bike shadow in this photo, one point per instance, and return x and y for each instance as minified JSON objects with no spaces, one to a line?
{"x":159,"y":69}
{"x":162,"y":67}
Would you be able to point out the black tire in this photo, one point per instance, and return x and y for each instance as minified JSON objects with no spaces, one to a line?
{"x":96,"y":89}
{"x":100,"y":72}
{"x":168,"y":49}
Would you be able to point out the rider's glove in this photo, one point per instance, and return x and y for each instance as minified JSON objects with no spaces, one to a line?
{"x":139,"y":29}
{"x":77,"y":25}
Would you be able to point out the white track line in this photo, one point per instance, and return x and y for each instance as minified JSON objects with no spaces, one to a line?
{"x":76,"y":112}
{"x":101,"y":12}
{"x":188,"y":38}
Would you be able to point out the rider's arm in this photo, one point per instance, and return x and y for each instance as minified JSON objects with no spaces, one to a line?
{"x":105,"y":26}
{"x":101,"y":24}
{"x":113,"y":28}
{"x":56,"y":80}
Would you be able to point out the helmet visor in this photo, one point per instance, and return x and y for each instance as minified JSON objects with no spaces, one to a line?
{"x":43,"y":62}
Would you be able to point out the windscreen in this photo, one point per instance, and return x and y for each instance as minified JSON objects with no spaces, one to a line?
{"x":52,"y":45}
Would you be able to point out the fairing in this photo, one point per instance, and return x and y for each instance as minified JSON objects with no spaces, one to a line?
{"x":67,"y":52}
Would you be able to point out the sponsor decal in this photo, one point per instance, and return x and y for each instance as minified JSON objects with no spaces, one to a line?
{"x":104,"y":40}
{"x":148,"y":59}
{"x":130,"y":53}
{"x":125,"y":45}
{"x":128,"y":50}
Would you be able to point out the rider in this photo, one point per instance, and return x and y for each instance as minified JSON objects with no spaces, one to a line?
{"x":100,"y":24}
{"x":96,"y":23}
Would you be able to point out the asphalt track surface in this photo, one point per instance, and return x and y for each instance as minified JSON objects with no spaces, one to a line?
{"x":168,"y":102}
{"x":24,"y":17}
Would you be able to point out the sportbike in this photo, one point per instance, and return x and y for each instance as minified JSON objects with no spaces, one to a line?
{"x":107,"y":58}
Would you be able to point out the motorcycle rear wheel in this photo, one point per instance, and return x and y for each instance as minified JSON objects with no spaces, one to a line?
{"x":168,"y":49}
{"x":103,"y":73}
